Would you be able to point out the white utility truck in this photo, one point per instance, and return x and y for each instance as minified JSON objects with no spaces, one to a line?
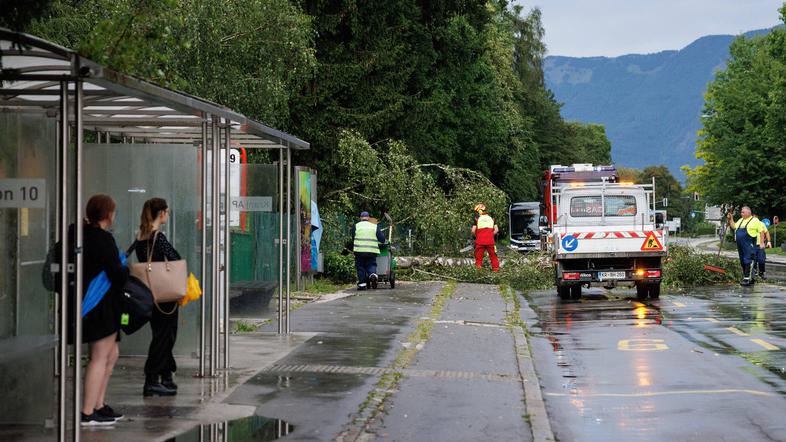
{"x":607,"y":234}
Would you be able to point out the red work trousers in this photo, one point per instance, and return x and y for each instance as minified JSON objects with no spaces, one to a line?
{"x":480,"y":251}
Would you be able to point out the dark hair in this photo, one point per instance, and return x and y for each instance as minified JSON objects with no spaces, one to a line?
{"x":150,"y":212}
{"x":99,"y":207}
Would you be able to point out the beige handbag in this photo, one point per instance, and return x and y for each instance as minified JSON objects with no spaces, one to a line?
{"x":166,"y":280}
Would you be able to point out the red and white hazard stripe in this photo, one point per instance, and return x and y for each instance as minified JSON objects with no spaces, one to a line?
{"x":604,"y":235}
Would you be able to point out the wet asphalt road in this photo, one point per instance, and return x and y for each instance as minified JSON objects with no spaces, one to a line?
{"x":708,"y":364}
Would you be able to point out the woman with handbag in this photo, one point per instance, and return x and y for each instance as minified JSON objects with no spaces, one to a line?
{"x":101,"y":324}
{"x":152,"y":246}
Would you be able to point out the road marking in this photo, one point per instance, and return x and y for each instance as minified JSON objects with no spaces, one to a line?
{"x":712,"y":319}
{"x":664,"y":393}
{"x":765,"y":344}
{"x":679,"y":304}
{"x":642,"y":345}
{"x":737,"y":331}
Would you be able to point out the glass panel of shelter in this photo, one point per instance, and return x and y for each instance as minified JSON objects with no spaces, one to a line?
{"x":132,"y":173}
{"x":254,"y":230}
{"x":28,"y":208}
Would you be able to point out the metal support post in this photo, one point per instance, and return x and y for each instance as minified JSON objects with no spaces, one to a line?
{"x":203,"y":269}
{"x":281,"y":241}
{"x":216,"y":256}
{"x":227,"y":211}
{"x":63,"y":234}
{"x":289,"y":227}
{"x":78,"y":262}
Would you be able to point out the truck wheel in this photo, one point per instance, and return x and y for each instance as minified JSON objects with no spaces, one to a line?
{"x":575,"y":292}
{"x":641,"y":291}
{"x":564,"y":292}
{"x":655,"y":290}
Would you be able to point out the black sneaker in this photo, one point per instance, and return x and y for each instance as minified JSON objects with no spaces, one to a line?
{"x":107,"y":411}
{"x":95,"y":419}
{"x":168,"y":382}
{"x":374,"y":280}
{"x":157,"y":390}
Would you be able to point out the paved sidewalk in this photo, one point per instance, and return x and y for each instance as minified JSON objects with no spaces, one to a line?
{"x":463,"y":382}
{"x":200,"y":401}
{"x":475,"y":392}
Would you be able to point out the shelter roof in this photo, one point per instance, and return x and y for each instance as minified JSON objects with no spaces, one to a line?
{"x":32,"y":70}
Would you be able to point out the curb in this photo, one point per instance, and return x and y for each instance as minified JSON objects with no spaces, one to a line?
{"x":533,"y":398}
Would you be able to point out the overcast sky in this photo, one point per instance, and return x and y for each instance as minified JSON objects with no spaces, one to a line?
{"x":586,"y":28}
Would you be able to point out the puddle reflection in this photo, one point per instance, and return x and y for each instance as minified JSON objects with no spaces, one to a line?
{"x":252,"y":428}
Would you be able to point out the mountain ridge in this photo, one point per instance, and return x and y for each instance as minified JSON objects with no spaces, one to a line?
{"x":650,"y":103}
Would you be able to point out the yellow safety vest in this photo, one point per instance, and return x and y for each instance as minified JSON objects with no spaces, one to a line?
{"x":484,"y":233}
{"x":762,"y":229}
{"x":485,"y":222}
{"x":751,"y":226}
{"x":366,"y":238}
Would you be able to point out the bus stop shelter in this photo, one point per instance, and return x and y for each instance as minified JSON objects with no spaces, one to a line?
{"x":70,"y":128}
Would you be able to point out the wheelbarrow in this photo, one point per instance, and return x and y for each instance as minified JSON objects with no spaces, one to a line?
{"x":386,"y":262}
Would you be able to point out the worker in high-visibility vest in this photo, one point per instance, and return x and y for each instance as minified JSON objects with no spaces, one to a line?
{"x":484,"y":231}
{"x":366,"y":238}
{"x":763,"y":241}
{"x":746,"y":231}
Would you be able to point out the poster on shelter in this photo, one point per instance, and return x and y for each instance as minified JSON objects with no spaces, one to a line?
{"x":304,"y":195}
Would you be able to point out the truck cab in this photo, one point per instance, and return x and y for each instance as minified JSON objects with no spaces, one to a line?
{"x":524,"y":222}
{"x":607,"y":234}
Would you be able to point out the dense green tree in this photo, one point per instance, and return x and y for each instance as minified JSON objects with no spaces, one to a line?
{"x":17,"y":14}
{"x":744,"y":128}
{"x":249,"y":55}
{"x":437,"y":76}
{"x":434,"y":200}
{"x":459,"y":83}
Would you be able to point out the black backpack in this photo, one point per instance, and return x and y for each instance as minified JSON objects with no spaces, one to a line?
{"x":137,"y":305}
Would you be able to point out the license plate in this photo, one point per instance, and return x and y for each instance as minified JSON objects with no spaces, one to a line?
{"x":610,"y":275}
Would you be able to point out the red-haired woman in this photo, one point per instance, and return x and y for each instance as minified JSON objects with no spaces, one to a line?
{"x":160,"y":362}
{"x":101,"y":325}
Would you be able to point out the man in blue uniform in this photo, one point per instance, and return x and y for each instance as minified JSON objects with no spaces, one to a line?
{"x":366,"y":238}
{"x":763,"y":241}
{"x":746,"y":231}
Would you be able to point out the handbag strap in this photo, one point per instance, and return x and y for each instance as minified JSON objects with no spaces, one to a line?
{"x":152,"y":249}
{"x":149,"y":270}
{"x":131,"y":248}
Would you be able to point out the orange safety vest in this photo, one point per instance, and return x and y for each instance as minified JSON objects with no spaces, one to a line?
{"x":484,"y":232}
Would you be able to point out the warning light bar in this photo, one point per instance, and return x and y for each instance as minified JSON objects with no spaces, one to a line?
{"x":582,"y":168}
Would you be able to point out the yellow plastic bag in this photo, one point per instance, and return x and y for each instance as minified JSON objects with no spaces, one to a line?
{"x":193,"y":291}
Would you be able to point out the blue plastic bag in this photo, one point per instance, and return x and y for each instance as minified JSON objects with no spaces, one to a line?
{"x":98,"y":288}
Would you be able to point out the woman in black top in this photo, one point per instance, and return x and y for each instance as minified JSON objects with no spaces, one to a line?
{"x":100,"y":327}
{"x":160,"y":362}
